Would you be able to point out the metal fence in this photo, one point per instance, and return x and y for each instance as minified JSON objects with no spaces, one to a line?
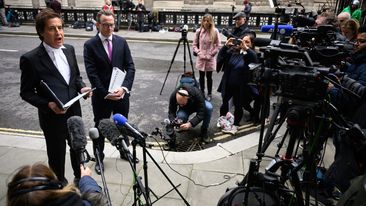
{"x":164,"y":18}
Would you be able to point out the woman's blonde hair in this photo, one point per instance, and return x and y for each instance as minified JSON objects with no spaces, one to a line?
{"x":352,"y":25}
{"x":212,"y":28}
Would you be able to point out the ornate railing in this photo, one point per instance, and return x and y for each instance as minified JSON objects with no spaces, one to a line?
{"x":164,"y":18}
{"x":222,"y":19}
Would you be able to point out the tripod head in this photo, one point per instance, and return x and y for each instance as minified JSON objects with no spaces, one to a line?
{"x":185,"y":31}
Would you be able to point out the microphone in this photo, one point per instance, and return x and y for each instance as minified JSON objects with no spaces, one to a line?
{"x":93,"y":133}
{"x":109,"y":130}
{"x":282,"y":29}
{"x":78,"y":141}
{"x":121,"y":120}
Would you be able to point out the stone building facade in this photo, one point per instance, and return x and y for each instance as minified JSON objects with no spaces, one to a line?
{"x":259,"y":6}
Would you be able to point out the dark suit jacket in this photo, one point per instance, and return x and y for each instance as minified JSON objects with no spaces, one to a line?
{"x":99,"y":69}
{"x":36,"y":65}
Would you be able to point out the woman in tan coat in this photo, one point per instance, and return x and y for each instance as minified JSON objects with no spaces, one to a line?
{"x":206,"y":44}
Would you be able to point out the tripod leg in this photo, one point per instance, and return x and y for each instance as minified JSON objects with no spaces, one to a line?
{"x":165,"y":175}
{"x":171,"y":63}
{"x":190,"y":57}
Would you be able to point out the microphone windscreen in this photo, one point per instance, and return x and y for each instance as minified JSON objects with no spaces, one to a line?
{"x":267,"y":28}
{"x":93,"y":133}
{"x":119,"y":119}
{"x":109,"y":130}
{"x":75,"y":126}
{"x":282,"y":29}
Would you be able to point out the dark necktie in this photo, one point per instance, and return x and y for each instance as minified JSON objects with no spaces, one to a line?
{"x":109,"y":46}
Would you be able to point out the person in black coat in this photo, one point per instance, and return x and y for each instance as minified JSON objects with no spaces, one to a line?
{"x":54,"y":63}
{"x":241,"y":27}
{"x":99,"y":62}
{"x":140,"y":9}
{"x":234,"y":59}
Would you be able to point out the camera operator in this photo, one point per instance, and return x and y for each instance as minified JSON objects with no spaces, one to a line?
{"x":356,"y":70}
{"x":350,"y":30}
{"x":234,"y":59}
{"x":342,"y":18}
{"x":185,"y":101}
{"x":329,"y":18}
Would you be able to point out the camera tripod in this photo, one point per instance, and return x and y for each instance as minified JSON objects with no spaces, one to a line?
{"x":143,"y":188}
{"x":307,"y":124}
{"x":185,"y":44}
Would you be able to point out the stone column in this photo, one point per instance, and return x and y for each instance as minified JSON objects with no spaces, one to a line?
{"x":36,"y":4}
{"x":71,"y":3}
{"x":149,"y":4}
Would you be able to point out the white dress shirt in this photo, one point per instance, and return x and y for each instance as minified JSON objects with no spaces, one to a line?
{"x":59,"y":59}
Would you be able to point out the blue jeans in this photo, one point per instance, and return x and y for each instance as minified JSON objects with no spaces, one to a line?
{"x":183,"y":115}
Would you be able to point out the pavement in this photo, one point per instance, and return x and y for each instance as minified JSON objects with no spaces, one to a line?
{"x":202,"y":177}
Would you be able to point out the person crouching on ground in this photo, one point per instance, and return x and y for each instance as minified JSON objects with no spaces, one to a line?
{"x":187,"y":100}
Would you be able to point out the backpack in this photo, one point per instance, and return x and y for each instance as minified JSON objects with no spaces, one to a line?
{"x":188,"y":79}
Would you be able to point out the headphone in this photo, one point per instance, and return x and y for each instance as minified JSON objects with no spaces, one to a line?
{"x":47,"y":184}
{"x":183,"y":92}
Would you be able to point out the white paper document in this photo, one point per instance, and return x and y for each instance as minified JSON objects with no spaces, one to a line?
{"x":117,"y":78}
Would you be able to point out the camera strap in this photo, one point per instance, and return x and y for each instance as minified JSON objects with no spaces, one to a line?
{"x":198,"y":38}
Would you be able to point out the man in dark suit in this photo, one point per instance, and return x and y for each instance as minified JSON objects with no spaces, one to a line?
{"x":101,"y":54}
{"x":55,"y":63}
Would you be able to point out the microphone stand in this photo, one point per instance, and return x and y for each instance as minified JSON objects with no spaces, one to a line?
{"x":105,"y":188}
{"x":138,"y":188}
{"x":141,"y":141}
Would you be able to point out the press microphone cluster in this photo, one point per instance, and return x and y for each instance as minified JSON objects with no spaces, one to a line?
{"x":110,"y":131}
{"x":121,"y":121}
{"x":75,"y":126}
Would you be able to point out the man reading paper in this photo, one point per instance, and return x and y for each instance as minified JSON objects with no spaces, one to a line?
{"x":101,"y":53}
{"x":54,"y":63}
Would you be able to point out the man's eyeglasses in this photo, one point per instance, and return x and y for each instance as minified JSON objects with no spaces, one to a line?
{"x":361,"y":41}
{"x":105,"y":25}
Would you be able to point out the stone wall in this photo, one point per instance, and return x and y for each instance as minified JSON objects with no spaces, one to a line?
{"x":259,"y":6}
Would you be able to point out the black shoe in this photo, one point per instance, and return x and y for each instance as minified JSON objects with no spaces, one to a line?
{"x":204,"y":136}
{"x":64,"y":182}
{"x":124,"y":157}
{"x":97,"y":168}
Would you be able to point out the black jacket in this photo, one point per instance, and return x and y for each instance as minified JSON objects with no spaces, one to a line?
{"x":196,"y":103}
{"x":241,"y":30}
{"x":223,"y":59}
{"x":36,"y":65}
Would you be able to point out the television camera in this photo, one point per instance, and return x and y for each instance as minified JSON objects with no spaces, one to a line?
{"x":302,"y":85}
{"x":170,"y":129}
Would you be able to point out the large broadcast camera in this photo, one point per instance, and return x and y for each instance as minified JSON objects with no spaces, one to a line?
{"x":323,"y":44}
{"x":170,"y":128}
{"x":292,"y":70}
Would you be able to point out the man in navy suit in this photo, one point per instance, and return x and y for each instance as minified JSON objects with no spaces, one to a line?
{"x":101,"y":54}
{"x":55,"y":63}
